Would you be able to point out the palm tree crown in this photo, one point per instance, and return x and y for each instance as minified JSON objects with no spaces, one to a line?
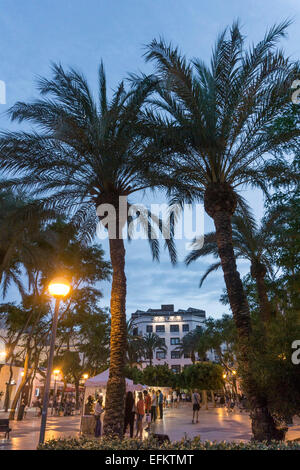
{"x":151,"y":342}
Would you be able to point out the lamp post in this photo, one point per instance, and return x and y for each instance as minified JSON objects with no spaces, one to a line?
{"x":56,"y":372}
{"x":58,"y":288}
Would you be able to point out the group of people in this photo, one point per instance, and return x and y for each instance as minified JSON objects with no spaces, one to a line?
{"x":149,"y":405}
{"x":64,"y":406}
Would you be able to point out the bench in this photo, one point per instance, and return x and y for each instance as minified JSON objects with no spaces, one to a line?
{"x":4,"y":427}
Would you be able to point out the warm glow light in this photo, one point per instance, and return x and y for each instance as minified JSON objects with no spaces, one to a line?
{"x":22,"y":374}
{"x":56,"y":371}
{"x":234,"y":372}
{"x":224,"y":376}
{"x":85,"y":376}
{"x":59,"y":288}
{"x":3,"y":354}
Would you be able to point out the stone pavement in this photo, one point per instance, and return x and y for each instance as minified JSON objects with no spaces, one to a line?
{"x":214,"y":424}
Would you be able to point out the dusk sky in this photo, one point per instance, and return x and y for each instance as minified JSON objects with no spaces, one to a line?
{"x":80,"y":34}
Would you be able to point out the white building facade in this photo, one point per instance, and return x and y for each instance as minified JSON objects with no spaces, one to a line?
{"x":171,"y":326}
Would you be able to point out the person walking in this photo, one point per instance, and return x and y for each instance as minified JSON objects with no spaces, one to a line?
{"x":153,"y":406}
{"x":196,"y":406}
{"x":140,"y":409}
{"x":97,"y":413}
{"x":160,"y":404}
{"x":129,"y":413}
{"x":175,"y":398}
{"x":169,"y":400}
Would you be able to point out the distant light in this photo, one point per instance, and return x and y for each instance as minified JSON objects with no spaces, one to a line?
{"x":56,"y":372}
{"x":234,"y":372}
{"x":22,"y":374}
{"x":85,"y":376}
{"x":224,"y":376}
{"x":59,"y":287}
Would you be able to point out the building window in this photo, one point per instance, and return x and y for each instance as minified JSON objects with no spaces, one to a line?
{"x":175,"y":368}
{"x":160,"y":328}
{"x":185,"y":328}
{"x":149,"y":328}
{"x":175,"y":341}
{"x":160,"y":355}
{"x":174,"y":328}
{"x":186,"y":356}
{"x":175,"y":355}
{"x":135,"y":331}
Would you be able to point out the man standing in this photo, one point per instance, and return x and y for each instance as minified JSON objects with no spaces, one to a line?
{"x":160,"y":404}
{"x":153,"y":406}
{"x":196,"y":406}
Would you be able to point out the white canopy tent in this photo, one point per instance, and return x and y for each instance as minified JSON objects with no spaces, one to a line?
{"x":97,"y":385}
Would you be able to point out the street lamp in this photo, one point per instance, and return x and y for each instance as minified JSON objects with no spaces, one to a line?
{"x":85,"y":376}
{"x":2,"y":356}
{"x":58,"y":288}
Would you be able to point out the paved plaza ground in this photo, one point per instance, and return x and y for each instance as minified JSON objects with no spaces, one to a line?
{"x":214,"y":424}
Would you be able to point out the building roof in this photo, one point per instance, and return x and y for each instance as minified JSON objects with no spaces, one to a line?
{"x":168,"y":309}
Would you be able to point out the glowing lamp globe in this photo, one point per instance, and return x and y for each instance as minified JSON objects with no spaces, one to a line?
{"x":59,"y":288}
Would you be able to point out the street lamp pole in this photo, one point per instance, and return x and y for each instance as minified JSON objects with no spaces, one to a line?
{"x":49,"y":369}
{"x":58,"y":288}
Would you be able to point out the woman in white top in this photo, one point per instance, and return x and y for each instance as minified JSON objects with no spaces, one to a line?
{"x":97,"y":413}
{"x":153,"y":406}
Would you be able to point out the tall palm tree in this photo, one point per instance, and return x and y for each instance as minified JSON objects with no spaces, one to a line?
{"x":150,"y":342}
{"x":87,"y":153}
{"x":251,"y":242}
{"x":190,"y":345}
{"x":216,"y":120}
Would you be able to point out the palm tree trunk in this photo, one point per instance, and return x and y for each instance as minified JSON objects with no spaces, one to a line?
{"x":220,"y":203}
{"x":20,"y":389}
{"x":77,"y":395}
{"x":115,"y":393}
{"x":193,"y":357}
{"x":258,"y":272}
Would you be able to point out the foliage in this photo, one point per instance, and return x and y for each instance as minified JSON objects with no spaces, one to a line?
{"x":203,"y":376}
{"x":277,"y":377}
{"x":149,"y":343}
{"x":159,"y":375}
{"x":152,"y":444}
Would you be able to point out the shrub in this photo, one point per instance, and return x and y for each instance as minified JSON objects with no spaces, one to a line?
{"x":83,"y":443}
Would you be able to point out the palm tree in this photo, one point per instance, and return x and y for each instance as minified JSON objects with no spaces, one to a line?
{"x":151,"y":342}
{"x":216,"y":122}
{"x":86,"y":154}
{"x":134,"y":350}
{"x":190,"y":345}
{"x":251,"y":242}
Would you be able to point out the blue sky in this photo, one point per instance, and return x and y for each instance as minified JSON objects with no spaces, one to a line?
{"x":76,"y":33}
